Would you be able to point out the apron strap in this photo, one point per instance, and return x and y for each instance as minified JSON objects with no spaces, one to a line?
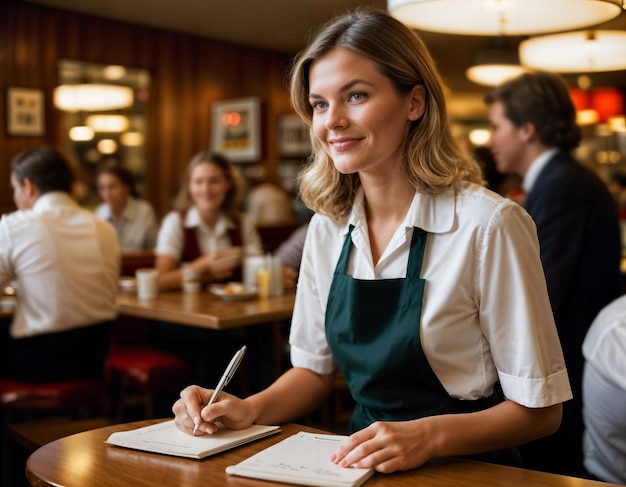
{"x":416,"y":255}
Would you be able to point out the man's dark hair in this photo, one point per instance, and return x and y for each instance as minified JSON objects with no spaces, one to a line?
{"x":46,"y":168}
{"x":543,"y":100}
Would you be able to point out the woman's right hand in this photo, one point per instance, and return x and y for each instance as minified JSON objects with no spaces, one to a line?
{"x":217,"y":266}
{"x":190,"y":409}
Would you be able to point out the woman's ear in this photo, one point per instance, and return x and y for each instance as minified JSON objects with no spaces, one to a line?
{"x":417,"y":102}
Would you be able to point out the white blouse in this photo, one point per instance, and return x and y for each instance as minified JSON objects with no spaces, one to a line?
{"x":138,"y":227}
{"x":486,"y":314}
{"x":170,"y":239}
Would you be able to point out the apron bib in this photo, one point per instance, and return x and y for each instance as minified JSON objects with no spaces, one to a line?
{"x":373,"y":330}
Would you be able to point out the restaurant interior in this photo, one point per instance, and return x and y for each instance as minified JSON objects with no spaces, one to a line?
{"x":180,"y":68}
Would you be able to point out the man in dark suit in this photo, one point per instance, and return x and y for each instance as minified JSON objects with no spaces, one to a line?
{"x":533,"y":133}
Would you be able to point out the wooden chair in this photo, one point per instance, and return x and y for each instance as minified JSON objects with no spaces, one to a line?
{"x":138,"y":373}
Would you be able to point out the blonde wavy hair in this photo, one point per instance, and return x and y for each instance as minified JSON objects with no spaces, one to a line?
{"x":432,"y":159}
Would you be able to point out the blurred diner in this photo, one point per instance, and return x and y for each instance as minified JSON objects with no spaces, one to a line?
{"x":604,"y":394}
{"x":134,"y":219}
{"x":534,"y":132}
{"x":63,"y":263}
{"x":206,"y":232}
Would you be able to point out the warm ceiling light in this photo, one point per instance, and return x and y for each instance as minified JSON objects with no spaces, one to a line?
{"x":131,"y":139}
{"x":509,"y":17}
{"x":617,"y":124}
{"x":81,"y":133}
{"x":107,"y":123}
{"x":494,"y":66}
{"x":479,"y":137}
{"x":576,"y":52}
{"x":91,"y":97}
{"x":114,"y":71}
{"x":107,"y":146}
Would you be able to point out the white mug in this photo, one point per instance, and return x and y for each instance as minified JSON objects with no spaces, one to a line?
{"x":147,"y":283}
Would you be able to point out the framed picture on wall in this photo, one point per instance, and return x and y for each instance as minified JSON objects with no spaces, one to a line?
{"x":25,"y":112}
{"x":237,"y":129}
{"x":293,"y":136}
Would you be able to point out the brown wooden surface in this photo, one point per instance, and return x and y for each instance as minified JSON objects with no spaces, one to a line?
{"x":205,"y":310}
{"x":84,"y":459}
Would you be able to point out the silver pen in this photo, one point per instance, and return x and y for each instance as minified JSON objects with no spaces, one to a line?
{"x":224,"y":380}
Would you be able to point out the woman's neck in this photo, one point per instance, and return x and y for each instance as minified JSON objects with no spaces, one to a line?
{"x":209,"y":218}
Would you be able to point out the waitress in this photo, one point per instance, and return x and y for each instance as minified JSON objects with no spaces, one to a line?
{"x":423,"y":288}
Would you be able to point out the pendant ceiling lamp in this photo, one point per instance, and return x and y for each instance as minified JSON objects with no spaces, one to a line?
{"x":503,"y":17}
{"x":576,"y":52}
{"x":495,"y":64}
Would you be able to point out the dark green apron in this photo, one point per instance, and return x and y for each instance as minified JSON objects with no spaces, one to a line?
{"x":373,"y":330}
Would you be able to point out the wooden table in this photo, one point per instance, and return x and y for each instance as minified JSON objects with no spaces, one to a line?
{"x":85,"y":460}
{"x":206,"y":310}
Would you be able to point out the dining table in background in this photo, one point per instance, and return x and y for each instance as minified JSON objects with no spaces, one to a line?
{"x":207,"y":310}
{"x":85,"y":459}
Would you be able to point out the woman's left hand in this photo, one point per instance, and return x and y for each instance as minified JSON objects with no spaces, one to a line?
{"x":386,"y":447}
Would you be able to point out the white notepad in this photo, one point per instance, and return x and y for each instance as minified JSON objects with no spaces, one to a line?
{"x":304,"y":459}
{"x":166,"y":438}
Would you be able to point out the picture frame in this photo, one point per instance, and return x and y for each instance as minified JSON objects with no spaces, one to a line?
{"x":25,"y":112}
{"x":293,"y":137}
{"x":237,"y":129}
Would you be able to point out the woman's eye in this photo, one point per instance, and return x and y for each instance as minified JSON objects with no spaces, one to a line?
{"x":318,"y":105}
{"x":358,"y":96}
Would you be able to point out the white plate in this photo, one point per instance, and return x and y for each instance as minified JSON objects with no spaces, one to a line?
{"x":128,"y":284}
{"x":248,"y":292}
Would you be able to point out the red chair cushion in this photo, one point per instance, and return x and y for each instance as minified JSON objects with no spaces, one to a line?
{"x":148,"y":369}
{"x":49,"y":396}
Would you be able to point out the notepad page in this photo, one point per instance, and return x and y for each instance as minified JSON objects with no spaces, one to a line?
{"x":304,"y":459}
{"x":167,"y":439}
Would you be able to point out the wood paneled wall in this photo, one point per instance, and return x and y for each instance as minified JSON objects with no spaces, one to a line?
{"x":188,"y":74}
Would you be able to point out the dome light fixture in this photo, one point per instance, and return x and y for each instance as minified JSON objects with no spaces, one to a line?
{"x":495,"y":65}
{"x":576,"y":52}
{"x":503,"y":17}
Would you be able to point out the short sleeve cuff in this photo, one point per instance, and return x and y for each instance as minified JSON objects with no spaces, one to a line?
{"x":320,"y":364}
{"x":537,"y":393}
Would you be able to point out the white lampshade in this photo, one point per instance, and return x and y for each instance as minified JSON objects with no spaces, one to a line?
{"x":576,"y":52}
{"x":91,"y":97}
{"x":508,"y":17}
{"x":495,"y":65}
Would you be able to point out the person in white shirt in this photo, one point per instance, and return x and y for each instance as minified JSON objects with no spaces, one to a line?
{"x":206,"y":226}
{"x":206,"y":233}
{"x":64,"y":264}
{"x":134,"y":219}
{"x":604,"y":394}
{"x":423,"y":288}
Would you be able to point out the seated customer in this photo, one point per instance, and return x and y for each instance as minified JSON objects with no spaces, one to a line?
{"x":604,"y":394}
{"x":206,"y":225}
{"x":133,"y":219}
{"x":64,"y":263}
